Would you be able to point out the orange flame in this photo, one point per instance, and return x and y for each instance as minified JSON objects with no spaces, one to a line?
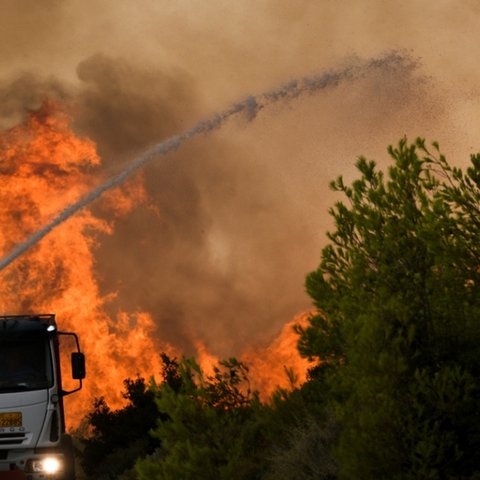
{"x":44,"y":166}
{"x":269,"y":367}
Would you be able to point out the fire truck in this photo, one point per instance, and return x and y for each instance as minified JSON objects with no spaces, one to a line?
{"x":33,"y":441}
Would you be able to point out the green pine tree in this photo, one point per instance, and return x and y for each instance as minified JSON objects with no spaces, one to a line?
{"x":398,"y":328}
{"x":212,"y":429}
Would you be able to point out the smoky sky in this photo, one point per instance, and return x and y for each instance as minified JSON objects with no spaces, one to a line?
{"x":236,"y":219}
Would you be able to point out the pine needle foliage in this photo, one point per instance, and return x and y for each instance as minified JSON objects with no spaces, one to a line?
{"x":398,"y":329}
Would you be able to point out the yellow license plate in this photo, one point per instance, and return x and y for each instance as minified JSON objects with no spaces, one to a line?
{"x":11,"y":419}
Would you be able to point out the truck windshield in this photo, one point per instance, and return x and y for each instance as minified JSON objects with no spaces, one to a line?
{"x":25,"y":364}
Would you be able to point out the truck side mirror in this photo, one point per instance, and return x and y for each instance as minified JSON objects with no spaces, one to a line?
{"x":78,"y":365}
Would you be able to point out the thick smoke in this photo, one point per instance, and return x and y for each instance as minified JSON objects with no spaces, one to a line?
{"x":26,"y":93}
{"x":233,"y":221}
{"x":248,"y":107}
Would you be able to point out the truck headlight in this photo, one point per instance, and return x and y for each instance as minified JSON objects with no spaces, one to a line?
{"x":47,"y":465}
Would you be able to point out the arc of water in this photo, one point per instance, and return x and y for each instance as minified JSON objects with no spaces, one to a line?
{"x":250,"y":106}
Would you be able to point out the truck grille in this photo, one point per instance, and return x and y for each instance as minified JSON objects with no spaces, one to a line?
{"x":11,"y":438}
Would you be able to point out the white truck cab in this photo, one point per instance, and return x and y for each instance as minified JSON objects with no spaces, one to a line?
{"x":33,"y":442}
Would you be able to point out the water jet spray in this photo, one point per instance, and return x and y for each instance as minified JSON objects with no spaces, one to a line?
{"x":249,"y":107}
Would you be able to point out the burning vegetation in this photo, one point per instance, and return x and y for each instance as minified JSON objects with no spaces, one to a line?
{"x":397,"y":285}
{"x":45,"y":167}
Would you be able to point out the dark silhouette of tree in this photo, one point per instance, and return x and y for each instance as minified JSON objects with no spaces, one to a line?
{"x":118,"y":437}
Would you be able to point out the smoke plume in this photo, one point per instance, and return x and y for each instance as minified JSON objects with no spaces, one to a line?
{"x":248,"y":107}
{"x":218,"y":247}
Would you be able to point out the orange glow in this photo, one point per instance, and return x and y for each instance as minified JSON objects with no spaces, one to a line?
{"x":205,"y":359}
{"x":44,"y":167}
{"x":268,"y":366}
